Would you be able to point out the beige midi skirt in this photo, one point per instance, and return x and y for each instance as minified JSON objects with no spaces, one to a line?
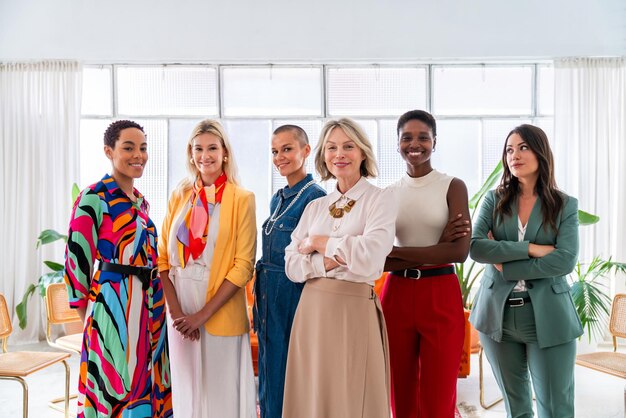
{"x":338,"y":361}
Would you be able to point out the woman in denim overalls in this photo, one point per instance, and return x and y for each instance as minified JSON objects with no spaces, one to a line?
{"x":276,"y":297}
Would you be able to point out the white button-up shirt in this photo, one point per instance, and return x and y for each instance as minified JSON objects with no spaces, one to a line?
{"x":362,"y":238}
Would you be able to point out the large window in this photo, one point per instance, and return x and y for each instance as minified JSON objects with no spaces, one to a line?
{"x":476,"y":105}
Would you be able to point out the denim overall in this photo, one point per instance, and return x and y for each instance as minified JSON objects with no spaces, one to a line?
{"x":276,"y":297}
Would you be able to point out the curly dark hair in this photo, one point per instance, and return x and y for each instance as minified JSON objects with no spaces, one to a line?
{"x":420,"y":115}
{"x":112,"y":134}
{"x":552,"y":200}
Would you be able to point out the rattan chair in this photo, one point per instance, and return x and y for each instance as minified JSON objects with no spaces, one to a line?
{"x":610,"y":362}
{"x":19,"y":364}
{"x":58,"y":312}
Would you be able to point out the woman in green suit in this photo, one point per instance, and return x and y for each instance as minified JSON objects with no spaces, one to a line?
{"x":527,"y":234}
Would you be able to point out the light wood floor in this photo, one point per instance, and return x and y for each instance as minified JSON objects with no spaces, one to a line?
{"x":597,"y":395}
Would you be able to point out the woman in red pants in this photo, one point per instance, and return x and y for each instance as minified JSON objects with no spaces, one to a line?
{"x":421,"y":298}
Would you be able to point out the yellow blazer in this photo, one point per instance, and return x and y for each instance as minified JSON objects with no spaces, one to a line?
{"x":233,"y":256}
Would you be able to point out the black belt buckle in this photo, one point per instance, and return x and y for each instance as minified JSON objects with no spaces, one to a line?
{"x":144,"y":274}
{"x":413,"y":273}
{"x":416,"y":274}
{"x":516,"y":302}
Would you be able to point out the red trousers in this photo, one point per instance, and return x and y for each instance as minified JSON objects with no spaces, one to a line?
{"x":426,"y":327}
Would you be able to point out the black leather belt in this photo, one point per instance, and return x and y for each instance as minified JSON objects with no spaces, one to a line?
{"x":419,"y":274}
{"x":145,"y":274}
{"x":517,"y":302}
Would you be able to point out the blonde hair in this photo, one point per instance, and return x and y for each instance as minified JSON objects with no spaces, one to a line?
{"x":354,"y":131}
{"x":213,"y":127}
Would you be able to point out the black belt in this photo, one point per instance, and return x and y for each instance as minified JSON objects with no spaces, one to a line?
{"x":517,"y":302}
{"x":145,"y":274}
{"x":419,"y":274}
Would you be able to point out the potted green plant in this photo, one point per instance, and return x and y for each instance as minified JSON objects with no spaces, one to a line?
{"x":469,"y":271}
{"x":55,"y":275}
{"x":590,"y":293}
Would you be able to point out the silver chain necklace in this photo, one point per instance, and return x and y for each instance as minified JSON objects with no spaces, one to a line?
{"x":269,"y":227}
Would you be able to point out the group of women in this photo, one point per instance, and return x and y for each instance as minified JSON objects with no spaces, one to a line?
{"x":328,"y":348}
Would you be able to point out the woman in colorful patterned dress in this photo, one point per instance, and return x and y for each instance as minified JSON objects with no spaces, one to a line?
{"x":124,"y":367}
{"x":206,"y":256}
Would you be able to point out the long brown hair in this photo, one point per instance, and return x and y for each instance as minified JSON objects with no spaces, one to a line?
{"x":547,"y":191}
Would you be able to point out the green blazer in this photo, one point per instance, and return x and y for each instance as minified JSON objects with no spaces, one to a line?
{"x":555,"y":315}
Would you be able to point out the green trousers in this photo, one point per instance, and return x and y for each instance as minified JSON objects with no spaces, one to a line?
{"x":518,"y":357}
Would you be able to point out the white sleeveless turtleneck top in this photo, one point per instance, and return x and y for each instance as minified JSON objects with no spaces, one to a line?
{"x":422,"y":209}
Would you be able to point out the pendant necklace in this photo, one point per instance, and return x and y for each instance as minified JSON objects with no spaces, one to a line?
{"x":269,"y":227}
{"x":336,"y":212}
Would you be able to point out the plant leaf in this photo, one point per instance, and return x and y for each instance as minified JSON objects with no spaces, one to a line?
{"x":20,"y":309}
{"x":489,"y":184}
{"x":586,"y":218}
{"x":48,"y":278}
{"x":53,"y":265}
{"x":592,"y":304}
{"x":75,"y":192}
{"x":49,"y":235}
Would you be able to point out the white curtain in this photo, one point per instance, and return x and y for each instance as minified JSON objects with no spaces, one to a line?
{"x":39,"y":131}
{"x":590,"y":142}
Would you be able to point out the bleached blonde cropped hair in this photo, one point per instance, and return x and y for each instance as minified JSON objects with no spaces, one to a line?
{"x":209,"y":126}
{"x":353,"y":130}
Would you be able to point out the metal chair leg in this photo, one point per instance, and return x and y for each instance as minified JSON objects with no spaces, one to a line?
{"x":481,"y":383}
{"x":66,"y":396}
{"x":24,"y":392}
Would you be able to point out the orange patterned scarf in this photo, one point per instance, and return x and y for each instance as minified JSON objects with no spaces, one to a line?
{"x":192,"y":232}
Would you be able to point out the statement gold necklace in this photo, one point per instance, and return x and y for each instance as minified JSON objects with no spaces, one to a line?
{"x":336,"y":212}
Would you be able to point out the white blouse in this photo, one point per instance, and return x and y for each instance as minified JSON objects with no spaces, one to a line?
{"x":362,"y":238}
{"x":520,"y":286}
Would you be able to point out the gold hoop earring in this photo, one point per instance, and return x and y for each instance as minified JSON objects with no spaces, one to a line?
{"x":191,"y":160}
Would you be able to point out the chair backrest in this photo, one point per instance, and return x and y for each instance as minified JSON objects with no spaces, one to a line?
{"x":57,"y":305}
{"x":617,"y":323}
{"x":5,"y":322}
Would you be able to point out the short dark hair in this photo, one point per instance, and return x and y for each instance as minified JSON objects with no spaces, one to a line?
{"x":297,"y":131}
{"x":420,"y":115}
{"x":112,"y":134}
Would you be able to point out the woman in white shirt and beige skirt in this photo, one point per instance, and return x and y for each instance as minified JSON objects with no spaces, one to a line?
{"x":338,"y":361}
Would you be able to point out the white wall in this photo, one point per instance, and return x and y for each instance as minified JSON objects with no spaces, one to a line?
{"x":320,"y":30}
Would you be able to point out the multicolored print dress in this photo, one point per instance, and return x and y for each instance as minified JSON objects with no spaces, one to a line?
{"x":124,"y":367}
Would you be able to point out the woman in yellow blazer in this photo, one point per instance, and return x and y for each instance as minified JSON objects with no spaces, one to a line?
{"x":527,"y":233}
{"x":206,"y":255}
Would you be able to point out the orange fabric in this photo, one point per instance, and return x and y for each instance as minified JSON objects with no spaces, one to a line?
{"x":254,"y":340}
{"x":464,"y":368}
{"x":378,"y":284}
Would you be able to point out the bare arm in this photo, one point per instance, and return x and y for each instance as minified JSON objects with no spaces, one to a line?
{"x":173,"y":306}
